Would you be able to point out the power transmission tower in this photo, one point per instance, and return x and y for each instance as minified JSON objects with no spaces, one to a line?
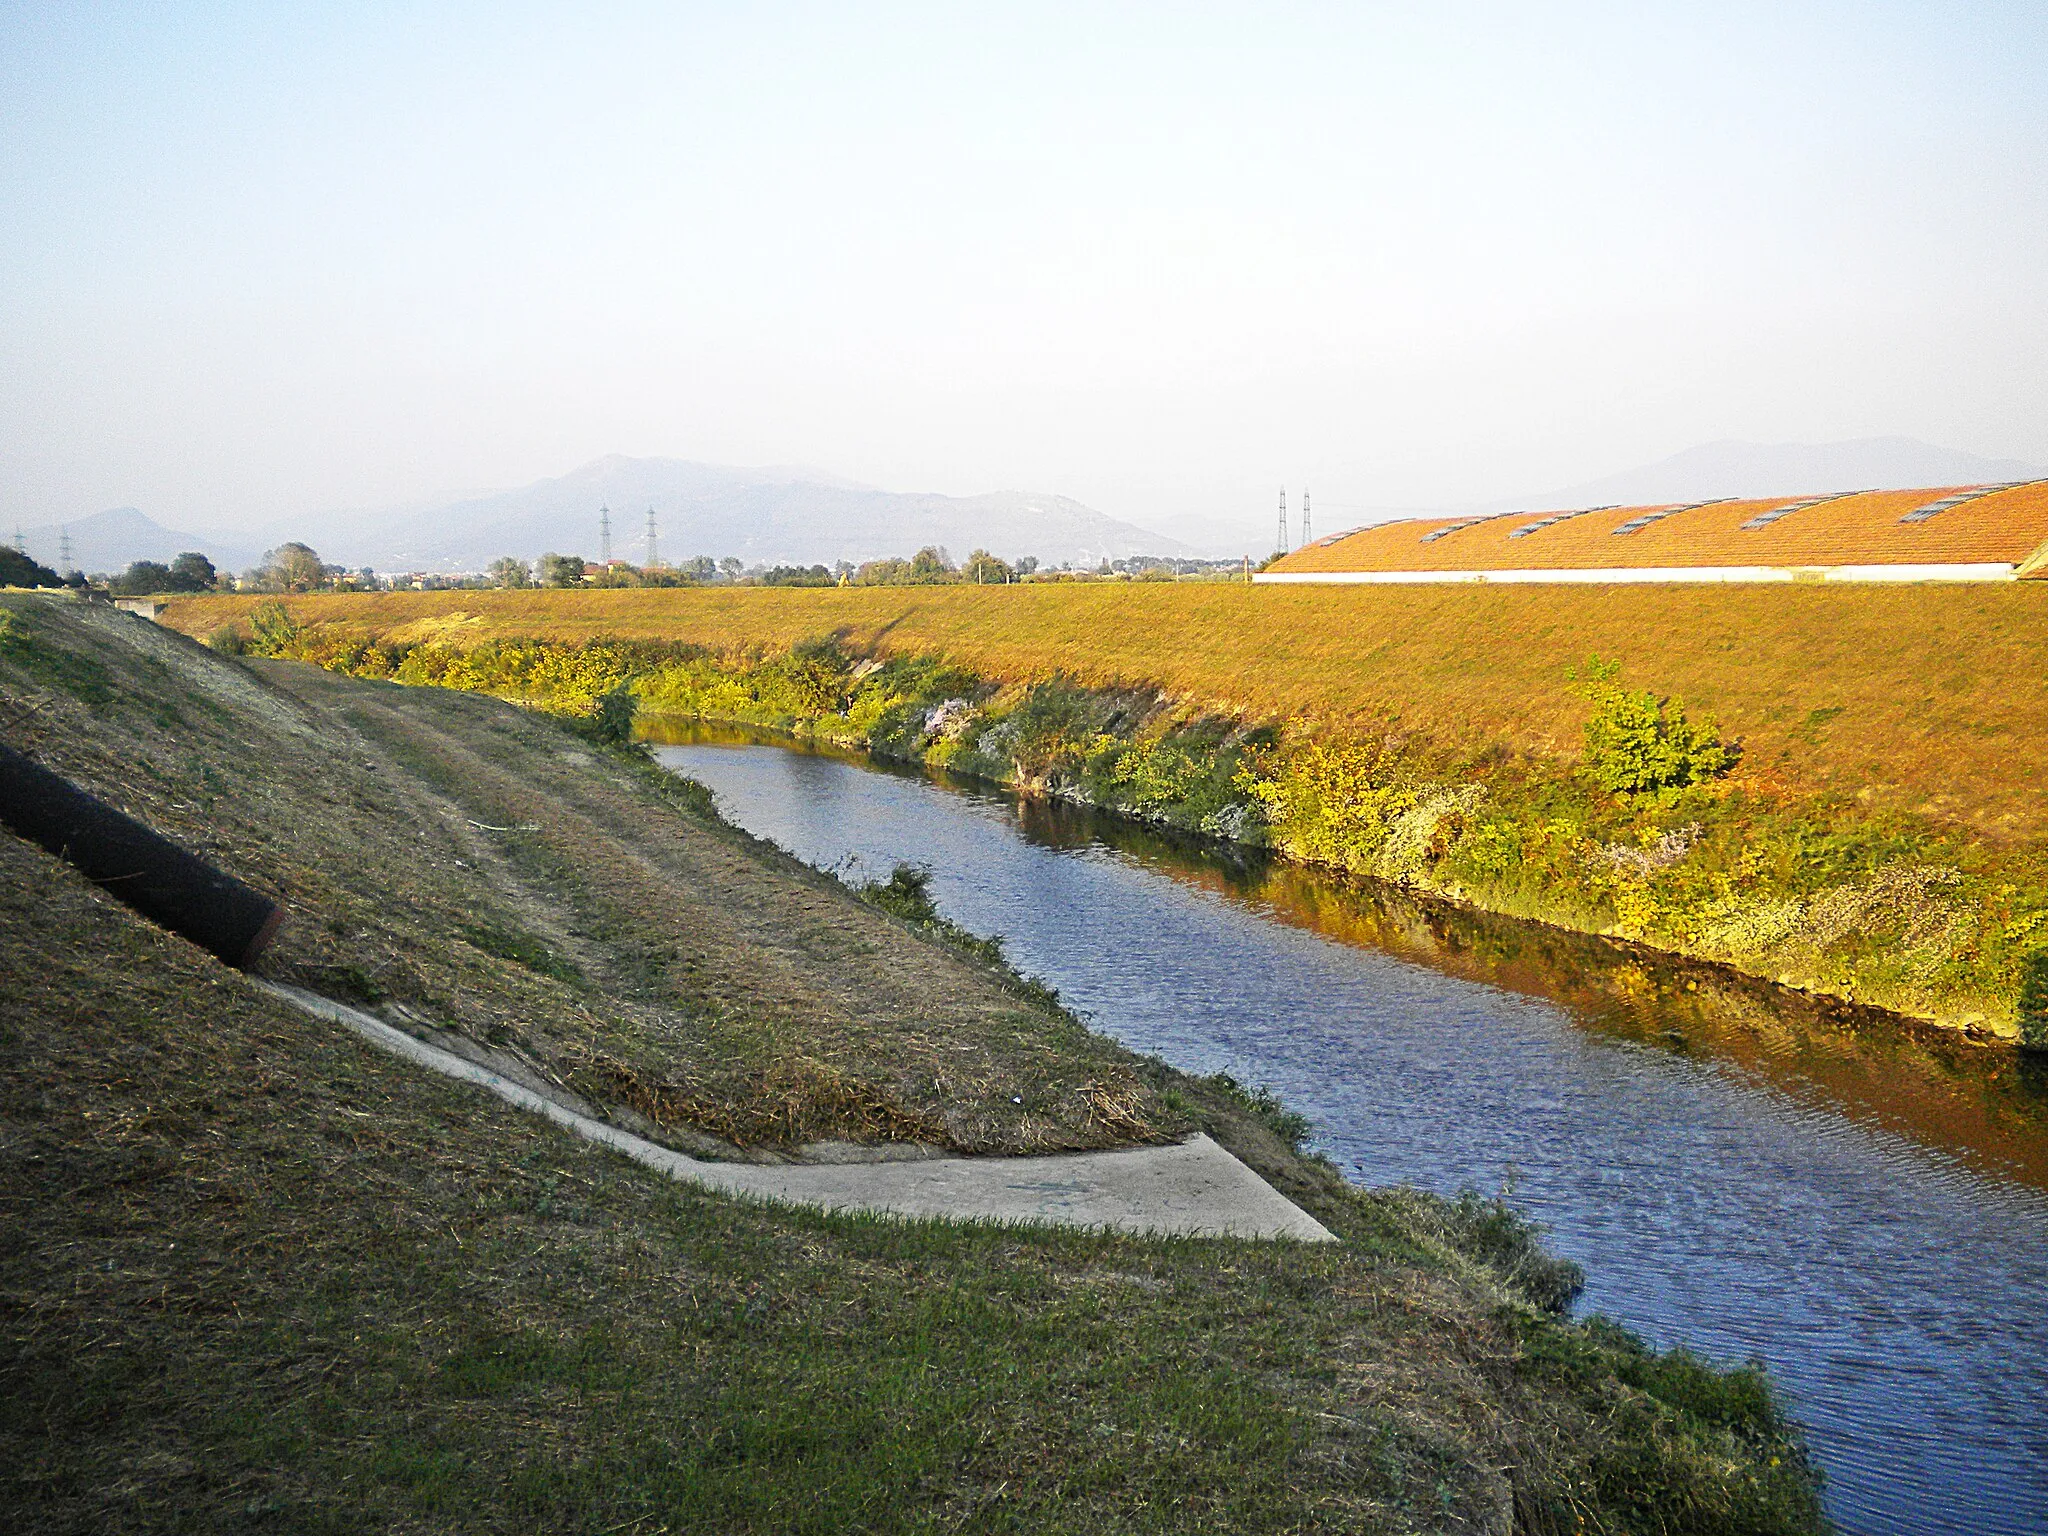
{"x":1306,"y":536}
{"x":651,"y":560}
{"x":604,"y":534}
{"x":64,"y":563}
{"x":1282,"y":545}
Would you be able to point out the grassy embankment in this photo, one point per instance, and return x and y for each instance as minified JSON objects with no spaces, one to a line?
{"x":257,"y":1275}
{"x":1882,"y":834}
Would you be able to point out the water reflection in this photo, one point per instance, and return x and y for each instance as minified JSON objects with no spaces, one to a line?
{"x":1930,"y":1084}
{"x":1737,"y":1167}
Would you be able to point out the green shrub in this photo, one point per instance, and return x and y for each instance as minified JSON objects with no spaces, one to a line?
{"x":1185,"y":778}
{"x":1676,"y":1438}
{"x":1508,"y":1243}
{"x":1049,"y":732}
{"x":907,"y":894}
{"x":613,"y":717}
{"x":273,"y":629}
{"x":1640,"y":742}
{"x":2033,"y":1001}
{"x":1330,"y":803}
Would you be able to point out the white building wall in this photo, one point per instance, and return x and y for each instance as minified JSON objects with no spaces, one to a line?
{"x":1990,"y":571}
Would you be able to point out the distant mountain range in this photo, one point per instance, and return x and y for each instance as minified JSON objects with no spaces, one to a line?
{"x":1785,"y":469}
{"x":110,"y":541}
{"x":776,"y":516}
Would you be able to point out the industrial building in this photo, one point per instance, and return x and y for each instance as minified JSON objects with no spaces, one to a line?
{"x":1952,"y":533}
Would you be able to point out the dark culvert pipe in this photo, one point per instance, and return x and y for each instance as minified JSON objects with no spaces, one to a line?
{"x":153,"y":875}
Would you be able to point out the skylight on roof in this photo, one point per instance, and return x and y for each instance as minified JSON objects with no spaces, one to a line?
{"x":1637,"y":524}
{"x":1554,"y":519}
{"x":1936,"y":508}
{"x":1765,"y":519}
{"x":1471,"y":522}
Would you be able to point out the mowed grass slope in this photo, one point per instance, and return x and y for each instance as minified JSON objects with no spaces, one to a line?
{"x":478,"y":866}
{"x":1926,"y":698}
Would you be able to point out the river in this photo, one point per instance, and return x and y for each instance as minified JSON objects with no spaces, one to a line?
{"x":1863,"y":1208}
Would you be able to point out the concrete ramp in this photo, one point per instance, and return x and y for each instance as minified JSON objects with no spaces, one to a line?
{"x":1193,"y":1189}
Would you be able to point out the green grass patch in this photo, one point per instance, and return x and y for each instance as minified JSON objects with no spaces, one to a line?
{"x":522,"y":949}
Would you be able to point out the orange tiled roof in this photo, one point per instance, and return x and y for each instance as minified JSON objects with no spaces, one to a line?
{"x":1995,"y":526}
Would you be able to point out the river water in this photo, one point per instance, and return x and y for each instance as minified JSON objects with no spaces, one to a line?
{"x":1866,"y":1210}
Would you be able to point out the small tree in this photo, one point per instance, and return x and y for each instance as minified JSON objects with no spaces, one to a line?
{"x":562,"y":570}
{"x":192,"y":572}
{"x":1641,"y":742}
{"x":508,"y":571}
{"x":141,"y":577}
{"x":985,"y":570}
{"x":886,"y":572}
{"x":930,"y":565}
{"x":292,"y":567}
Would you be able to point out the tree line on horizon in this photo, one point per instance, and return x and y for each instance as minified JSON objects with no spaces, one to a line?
{"x":930,"y":566}
{"x":295,"y":567}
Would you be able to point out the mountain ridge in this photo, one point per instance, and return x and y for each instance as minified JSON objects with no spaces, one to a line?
{"x":773,"y":514}
{"x":110,"y":541}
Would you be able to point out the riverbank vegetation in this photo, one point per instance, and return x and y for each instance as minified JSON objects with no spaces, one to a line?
{"x":1675,"y":821}
{"x":260,"y":1276}
{"x":1929,"y":699}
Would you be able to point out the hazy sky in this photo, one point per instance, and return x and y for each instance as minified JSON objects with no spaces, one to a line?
{"x":273,"y":260}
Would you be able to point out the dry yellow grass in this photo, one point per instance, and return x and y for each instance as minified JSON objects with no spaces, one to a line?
{"x":1931,"y":698}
